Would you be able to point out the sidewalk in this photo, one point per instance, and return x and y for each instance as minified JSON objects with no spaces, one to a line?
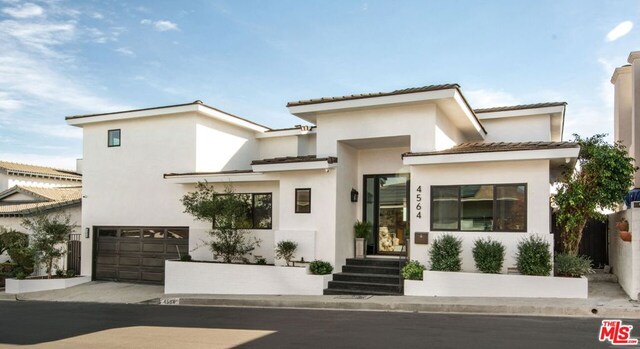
{"x":606,"y":299}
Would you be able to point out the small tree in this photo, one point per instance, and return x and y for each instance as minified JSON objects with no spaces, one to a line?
{"x":229,"y":214}
{"x":50,"y":234}
{"x":601,"y":179}
{"x":16,"y":244}
{"x":286,"y":249}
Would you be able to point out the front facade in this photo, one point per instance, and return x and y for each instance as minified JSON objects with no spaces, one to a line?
{"x":416,"y":163}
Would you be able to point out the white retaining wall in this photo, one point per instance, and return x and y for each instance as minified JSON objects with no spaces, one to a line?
{"x":624,"y":257}
{"x":33,"y":285}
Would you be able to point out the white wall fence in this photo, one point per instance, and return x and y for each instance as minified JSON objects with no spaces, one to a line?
{"x":624,"y":257}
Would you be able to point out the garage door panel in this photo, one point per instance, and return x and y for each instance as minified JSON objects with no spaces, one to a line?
{"x":122,"y":256}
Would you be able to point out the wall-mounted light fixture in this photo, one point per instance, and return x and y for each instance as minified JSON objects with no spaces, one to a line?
{"x":87,"y":231}
{"x":354,"y":195}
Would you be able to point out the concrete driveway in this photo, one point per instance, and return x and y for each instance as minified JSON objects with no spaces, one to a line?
{"x":99,"y":292}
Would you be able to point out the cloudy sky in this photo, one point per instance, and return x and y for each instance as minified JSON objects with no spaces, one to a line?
{"x":249,"y":58}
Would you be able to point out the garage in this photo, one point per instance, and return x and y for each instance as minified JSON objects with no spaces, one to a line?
{"x":137,"y":254}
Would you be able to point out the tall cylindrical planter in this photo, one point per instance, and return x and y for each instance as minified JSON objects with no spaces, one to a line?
{"x":361,"y":248}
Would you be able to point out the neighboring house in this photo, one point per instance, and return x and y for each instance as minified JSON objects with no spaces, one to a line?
{"x":419,"y":160}
{"x":29,"y":189}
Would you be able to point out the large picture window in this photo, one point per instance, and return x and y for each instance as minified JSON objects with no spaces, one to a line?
{"x":498,"y":207}
{"x":258,"y":207}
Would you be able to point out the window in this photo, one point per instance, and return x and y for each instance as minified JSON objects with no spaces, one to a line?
{"x":258,"y":212}
{"x":113,"y":138}
{"x":500,"y":207}
{"x":303,"y":200}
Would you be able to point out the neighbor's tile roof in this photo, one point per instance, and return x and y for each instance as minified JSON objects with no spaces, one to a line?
{"x":291,"y":159}
{"x":376,"y":94}
{"x":38,"y":170}
{"x":465,"y":148}
{"x":520,"y":107}
{"x":55,"y":198}
{"x":228,"y":172}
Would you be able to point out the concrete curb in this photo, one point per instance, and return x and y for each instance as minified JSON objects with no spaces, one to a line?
{"x":528,"y":310}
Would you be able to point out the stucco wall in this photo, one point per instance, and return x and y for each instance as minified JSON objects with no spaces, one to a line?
{"x":223,"y":147}
{"x":518,"y":129}
{"x":534,"y":173}
{"x":624,"y":257}
{"x":346,"y":211}
{"x":417,"y":121}
{"x":278,"y":146}
{"x":447,"y":135}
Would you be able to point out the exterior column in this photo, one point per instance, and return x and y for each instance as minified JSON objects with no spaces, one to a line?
{"x":634,"y":60}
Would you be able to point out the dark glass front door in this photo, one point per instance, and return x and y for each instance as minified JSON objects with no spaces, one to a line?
{"x":386,"y":207}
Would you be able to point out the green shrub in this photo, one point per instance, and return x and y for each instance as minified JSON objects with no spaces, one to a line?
{"x":59,"y":273}
{"x":362,"y":229}
{"x":260,"y":260}
{"x":286,"y":249}
{"x":70,"y":273}
{"x":572,"y":266}
{"x":488,"y":255}
{"x":413,"y":270}
{"x":185,"y":257}
{"x":533,"y":256}
{"x":320,"y":267}
{"x":445,"y":253}
{"x":20,"y":253}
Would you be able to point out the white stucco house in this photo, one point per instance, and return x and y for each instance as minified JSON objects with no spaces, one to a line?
{"x":26,"y":190}
{"x":421,"y":160}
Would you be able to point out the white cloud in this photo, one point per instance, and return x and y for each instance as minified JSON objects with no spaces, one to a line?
{"x":484,"y":98}
{"x":125,"y":52}
{"x":97,"y":15}
{"x":26,"y":10}
{"x":161,"y":25}
{"x":9,"y":103}
{"x":38,"y":36}
{"x":620,"y":30}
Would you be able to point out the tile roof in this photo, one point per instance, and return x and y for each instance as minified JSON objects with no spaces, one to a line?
{"x":292,"y":159}
{"x":207,"y":173}
{"x":520,"y":107}
{"x":54,"y":198}
{"x":466,"y":148}
{"x":38,"y":170}
{"x":376,"y":94}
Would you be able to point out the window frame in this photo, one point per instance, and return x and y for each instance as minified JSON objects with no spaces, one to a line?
{"x":494,"y":208}
{"x":296,"y":200}
{"x":109,"y":138}
{"x":253,"y":206}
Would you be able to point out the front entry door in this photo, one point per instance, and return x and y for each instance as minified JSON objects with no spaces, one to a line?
{"x":386,"y":206}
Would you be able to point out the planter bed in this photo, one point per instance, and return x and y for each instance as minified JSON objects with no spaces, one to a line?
{"x":34,"y":285}
{"x":222,"y":278}
{"x":460,"y":284}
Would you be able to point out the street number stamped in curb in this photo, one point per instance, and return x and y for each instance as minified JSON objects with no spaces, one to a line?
{"x":170,"y":301}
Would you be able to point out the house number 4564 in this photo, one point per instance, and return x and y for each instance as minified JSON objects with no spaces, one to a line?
{"x":419,"y":201}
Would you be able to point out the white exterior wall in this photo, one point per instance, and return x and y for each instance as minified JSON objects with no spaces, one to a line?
{"x":346,"y":211}
{"x":518,"y":129}
{"x":624,"y":257}
{"x":222,"y":147}
{"x":416,"y":121}
{"x":534,"y":173}
{"x":124,"y":186}
{"x":278,"y":147}
{"x":307,"y":144}
{"x":447,"y":135}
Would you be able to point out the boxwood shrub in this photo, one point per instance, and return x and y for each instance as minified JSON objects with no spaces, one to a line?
{"x":533,"y":256}
{"x":413,"y":270}
{"x":488,"y":255}
{"x":572,"y":266}
{"x":445,"y":253}
{"x":319,"y":267}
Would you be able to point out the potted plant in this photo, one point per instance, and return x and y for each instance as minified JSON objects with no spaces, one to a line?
{"x":623,"y":228}
{"x":362,"y":231}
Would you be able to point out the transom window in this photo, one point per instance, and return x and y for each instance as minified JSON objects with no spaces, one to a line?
{"x":493,"y":207}
{"x":113,"y":138}
{"x":303,"y":200}
{"x":258,"y":208}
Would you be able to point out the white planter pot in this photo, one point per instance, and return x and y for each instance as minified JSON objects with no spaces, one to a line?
{"x":222,"y":278}
{"x":459,"y":284}
{"x":33,"y":285}
{"x":361,"y":248}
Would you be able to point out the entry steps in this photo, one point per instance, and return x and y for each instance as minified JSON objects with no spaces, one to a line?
{"x":368,"y":276}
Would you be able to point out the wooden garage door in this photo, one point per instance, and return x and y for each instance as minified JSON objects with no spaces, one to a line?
{"x":137,"y":254}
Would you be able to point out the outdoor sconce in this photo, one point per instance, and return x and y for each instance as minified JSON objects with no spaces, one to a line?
{"x":354,"y":195}
{"x":86,"y":232}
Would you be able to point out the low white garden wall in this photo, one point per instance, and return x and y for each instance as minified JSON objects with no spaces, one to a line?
{"x":33,"y":285}
{"x":624,"y":256}
{"x":222,"y":278}
{"x":461,"y":284}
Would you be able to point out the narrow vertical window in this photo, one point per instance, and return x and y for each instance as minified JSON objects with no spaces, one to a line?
{"x":113,"y":138}
{"x":303,"y":200}
{"x":445,"y":208}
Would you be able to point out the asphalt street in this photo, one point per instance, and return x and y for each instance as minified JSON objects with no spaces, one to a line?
{"x":46,"y":323}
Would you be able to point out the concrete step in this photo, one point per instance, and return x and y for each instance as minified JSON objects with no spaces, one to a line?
{"x":366,"y":269}
{"x":376,"y":262}
{"x":364,"y":287}
{"x":600,"y":276}
{"x":370,"y":278}
{"x":328,"y":292}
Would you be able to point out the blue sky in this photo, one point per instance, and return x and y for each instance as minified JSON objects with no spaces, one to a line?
{"x":250,"y":58}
